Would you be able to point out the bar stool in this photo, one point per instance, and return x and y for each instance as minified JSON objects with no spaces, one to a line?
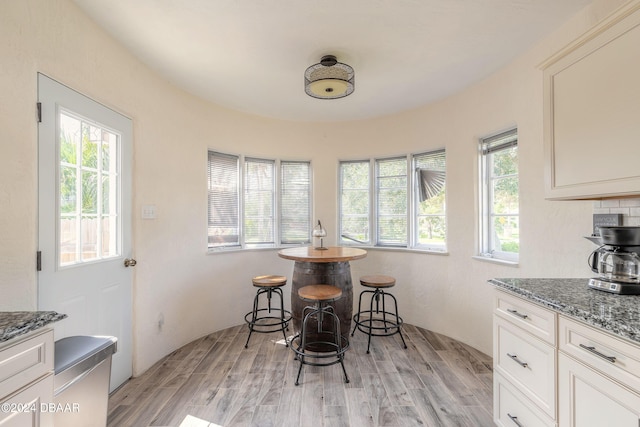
{"x":323,"y":341}
{"x":261,"y":320}
{"x":378,"y":323}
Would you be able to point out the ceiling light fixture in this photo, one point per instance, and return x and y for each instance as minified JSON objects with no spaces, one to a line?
{"x":329,"y":79}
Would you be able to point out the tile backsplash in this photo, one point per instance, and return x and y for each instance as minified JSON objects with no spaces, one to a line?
{"x":628,"y":207}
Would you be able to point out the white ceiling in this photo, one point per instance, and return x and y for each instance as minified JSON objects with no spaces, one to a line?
{"x":250,"y":55}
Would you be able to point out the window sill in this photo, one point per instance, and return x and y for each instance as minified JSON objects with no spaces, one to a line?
{"x":496,"y":261}
{"x":395,"y":249}
{"x":236,"y":249}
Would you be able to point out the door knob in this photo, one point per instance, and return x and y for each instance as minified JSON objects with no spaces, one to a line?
{"x":130,"y":262}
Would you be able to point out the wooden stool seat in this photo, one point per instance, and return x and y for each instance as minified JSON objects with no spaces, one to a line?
{"x":377,"y":281}
{"x":324,"y":293}
{"x":326,"y":345}
{"x":378,"y":321}
{"x":269,"y":281}
{"x":268,"y":319}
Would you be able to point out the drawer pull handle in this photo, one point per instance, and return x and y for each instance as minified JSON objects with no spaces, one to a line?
{"x":515,"y":313}
{"x":593,"y":350}
{"x":518,"y":361}
{"x":515,"y":420}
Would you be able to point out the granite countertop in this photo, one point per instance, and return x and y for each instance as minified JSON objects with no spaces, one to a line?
{"x":616,"y":314}
{"x":15,"y":323}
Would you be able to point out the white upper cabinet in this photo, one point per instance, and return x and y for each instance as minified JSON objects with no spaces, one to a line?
{"x":592,"y":111}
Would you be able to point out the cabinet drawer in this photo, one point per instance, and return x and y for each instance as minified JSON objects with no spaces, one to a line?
{"x":25,"y":361}
{"x":527,"y":362}
{"x":534,"y":319}
{"x":614,"y":357}
{"x":23,"y":409}
{"x":513,"y":409}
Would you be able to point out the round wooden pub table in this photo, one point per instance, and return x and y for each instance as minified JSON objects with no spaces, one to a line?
{"x":323,"y":267}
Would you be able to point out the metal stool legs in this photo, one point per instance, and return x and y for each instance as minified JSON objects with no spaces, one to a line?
{"x":303,"y":351}
{"x":384,"y":327}
{"x":267,"y":323}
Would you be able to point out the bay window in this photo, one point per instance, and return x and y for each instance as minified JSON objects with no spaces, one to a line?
{"x":275,"y":207}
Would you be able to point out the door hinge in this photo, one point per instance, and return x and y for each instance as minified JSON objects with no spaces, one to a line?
{"x":39,"y":109}
{"x":39,"y":261}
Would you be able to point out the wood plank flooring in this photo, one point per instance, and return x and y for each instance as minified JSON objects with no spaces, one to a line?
{"x":214,"y":380}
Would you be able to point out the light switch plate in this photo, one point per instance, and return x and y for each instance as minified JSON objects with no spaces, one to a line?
{"x":149,"y":212}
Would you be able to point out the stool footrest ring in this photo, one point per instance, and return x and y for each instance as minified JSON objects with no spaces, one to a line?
{"x":267,"y":324}
{"x":319,"y":350}
{"x":390,"y":327}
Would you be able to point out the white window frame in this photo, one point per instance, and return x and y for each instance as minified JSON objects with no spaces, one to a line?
{"x":376,"y":197}
{"x":486,"y":147}
{"x":343,"y":238}
{"x":248,"y":192}
{"x":415,"y":208}
{"x":412,"y":205}
{"x":276,"y":208}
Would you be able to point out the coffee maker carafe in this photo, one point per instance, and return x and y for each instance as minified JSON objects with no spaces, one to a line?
{"x":616,"y":261}
{"x":616,"y":264}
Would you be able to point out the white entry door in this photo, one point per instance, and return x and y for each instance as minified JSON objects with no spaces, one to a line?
{"x":84,"y":217}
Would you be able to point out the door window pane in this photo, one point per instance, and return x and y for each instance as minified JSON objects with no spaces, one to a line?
{"x":88,"y":209}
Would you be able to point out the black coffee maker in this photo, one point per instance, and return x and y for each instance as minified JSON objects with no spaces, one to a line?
{"x":617,"y":261}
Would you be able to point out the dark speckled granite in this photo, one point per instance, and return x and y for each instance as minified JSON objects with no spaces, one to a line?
{"x":617,"y":314}
{"x":14,"y":323}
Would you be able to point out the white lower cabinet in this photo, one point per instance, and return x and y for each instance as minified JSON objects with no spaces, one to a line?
{"x":588,"y":398}
{"x":551,"y":370}
{"x":26,"y":380}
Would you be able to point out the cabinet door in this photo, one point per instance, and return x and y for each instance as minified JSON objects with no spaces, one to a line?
{"x":592,"y":105}
{"x":24,"y":408}
{"x":589,"y":399}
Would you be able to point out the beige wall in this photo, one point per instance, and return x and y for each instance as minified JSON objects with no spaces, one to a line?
{"x":199,"y":293}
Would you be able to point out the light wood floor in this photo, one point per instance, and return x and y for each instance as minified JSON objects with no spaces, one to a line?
{"x":436,"y":381}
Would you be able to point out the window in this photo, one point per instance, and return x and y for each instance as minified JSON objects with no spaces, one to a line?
{"x":275,"y":207}
{"x":89,"y":185}
{"x":392,"y":207}
{"x":430,"y":219}
{"x":354,"y":202}
{"x":391,"y":202}
{"x":259,"y":201}
{"x":295,"y":205}
{"x":224,"y":200}
{"x":499,"y":205}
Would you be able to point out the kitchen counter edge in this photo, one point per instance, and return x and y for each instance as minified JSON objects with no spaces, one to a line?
{"x":16,"y":323}
{"x":616,"y":314}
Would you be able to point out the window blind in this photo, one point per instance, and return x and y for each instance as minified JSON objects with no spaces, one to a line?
{"x":295,"y":202}
{"x":500,"y":141}
{"x":259,"y":201}
{"x":223,"y":219}
{"x":431,"y":174}
{"x":391,"y":181}
{"x":354,"y":202}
